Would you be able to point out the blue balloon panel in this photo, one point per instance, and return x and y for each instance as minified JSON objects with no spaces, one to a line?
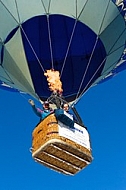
{"x":81,"y":61}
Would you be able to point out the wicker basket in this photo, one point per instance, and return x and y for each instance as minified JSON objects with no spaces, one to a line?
{"x":58,"y":152}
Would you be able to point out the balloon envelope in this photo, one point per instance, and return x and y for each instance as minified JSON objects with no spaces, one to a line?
{"x":83,"y":40}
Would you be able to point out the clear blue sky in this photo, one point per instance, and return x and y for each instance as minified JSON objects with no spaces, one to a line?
{"x":103,"y":109}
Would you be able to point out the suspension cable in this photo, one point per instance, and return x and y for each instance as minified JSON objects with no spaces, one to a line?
{"x":87,"y":67}
{"x":72,"y":34}
{"x":71,"y":37}
{"x":19,"y":24}
{"x":95,"y":44}
{"x":50,"y":42}
{"x":85,"y":89}
{"x":32,"y":48}
{"x":9,"y":12}
{"x":49,"y":31}
{"x":17,"y":11}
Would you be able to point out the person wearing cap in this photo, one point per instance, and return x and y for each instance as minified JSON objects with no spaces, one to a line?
{"x":42,"y":113}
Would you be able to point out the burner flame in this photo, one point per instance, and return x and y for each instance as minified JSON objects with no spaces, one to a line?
{"x":54,"y":83}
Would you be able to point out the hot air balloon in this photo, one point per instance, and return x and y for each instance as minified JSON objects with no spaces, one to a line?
{"x":83,"y":40}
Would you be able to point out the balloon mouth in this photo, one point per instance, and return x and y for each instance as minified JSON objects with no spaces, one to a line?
{"x":64,"y":45}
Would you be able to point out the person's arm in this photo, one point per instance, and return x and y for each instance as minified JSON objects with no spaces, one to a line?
{"x":37,"y":111}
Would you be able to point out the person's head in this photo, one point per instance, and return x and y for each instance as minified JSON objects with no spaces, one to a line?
{"x":46,"y":105}
{"x":65,"y":107}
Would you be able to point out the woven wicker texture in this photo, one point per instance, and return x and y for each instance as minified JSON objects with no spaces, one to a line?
{"x":56,"y":152}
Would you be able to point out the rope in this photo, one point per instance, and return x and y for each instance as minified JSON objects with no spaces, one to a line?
{"x":32,"y":49}
{"x":49,"y":31}
{"x":82,"y":8}
{"x":47,"y":11}
{"x":50,"y":42}
{"x":19,"y":24}
{"x":85,"y":90}
{"x":68,"y":46}
{"x":87,"y":67}
{"x":9,"y":12}
{"x":17,"y":11}
{"x":95,"y":44}
{"x":71,"y":38}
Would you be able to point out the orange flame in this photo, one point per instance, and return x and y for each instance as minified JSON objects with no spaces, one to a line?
{"x":53,"y":78}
